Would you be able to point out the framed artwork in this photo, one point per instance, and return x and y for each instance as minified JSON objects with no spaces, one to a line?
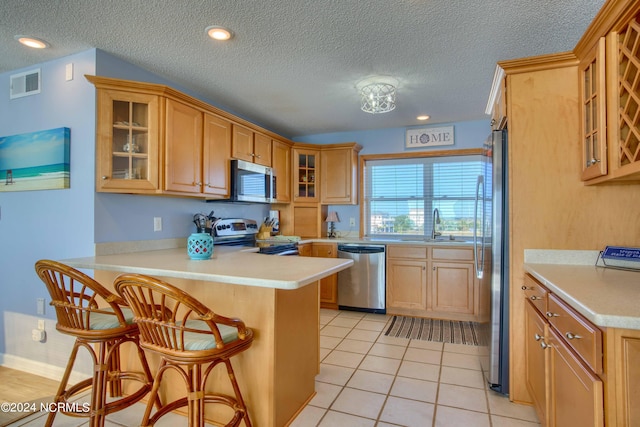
{"x":35,"y":161}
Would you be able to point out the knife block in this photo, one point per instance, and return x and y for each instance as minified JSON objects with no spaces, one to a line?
{"x":264,"y":233}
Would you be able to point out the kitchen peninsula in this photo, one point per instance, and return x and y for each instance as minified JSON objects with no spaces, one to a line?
{"x":276,"y":296}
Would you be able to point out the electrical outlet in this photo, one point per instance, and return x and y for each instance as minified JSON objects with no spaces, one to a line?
{"x":40,"y":306}
{"x":41,"y":324}
{"x":352,"y":222}
{"x":157,"y":223}
{"x":68,"y":72}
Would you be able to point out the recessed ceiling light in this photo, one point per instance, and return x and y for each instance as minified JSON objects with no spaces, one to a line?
{"x":217,"y":32}
{"x":425,"y":117}
{"x":33,"y":42}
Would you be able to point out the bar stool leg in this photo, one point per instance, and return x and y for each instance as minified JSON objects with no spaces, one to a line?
{"x":236,"y":390}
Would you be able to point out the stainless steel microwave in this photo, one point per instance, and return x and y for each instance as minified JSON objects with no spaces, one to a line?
{"x":252,"y":183}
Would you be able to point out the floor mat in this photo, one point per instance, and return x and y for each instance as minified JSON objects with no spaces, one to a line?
{"x":449,"y":331}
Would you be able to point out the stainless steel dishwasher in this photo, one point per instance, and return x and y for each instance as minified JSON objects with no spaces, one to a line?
{"x":363,"y":286}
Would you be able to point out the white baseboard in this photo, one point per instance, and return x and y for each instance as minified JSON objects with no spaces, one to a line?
{"x":38,"y":368}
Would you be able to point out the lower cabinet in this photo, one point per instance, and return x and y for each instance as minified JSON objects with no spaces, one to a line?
{"x":449,"y":291}
{"x":328,"y":285}
{"x":560,"y":369}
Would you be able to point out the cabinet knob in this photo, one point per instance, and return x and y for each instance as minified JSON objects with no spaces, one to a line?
{"x":534,"y":298}
{"x":550,"y":314}
{"x":537,"y":337}
{"x":258,"y":156}
{"x":104,"y":177}
{"x":524,"y":288}
{"x":544,"y":345}
{"x":571,"y":336}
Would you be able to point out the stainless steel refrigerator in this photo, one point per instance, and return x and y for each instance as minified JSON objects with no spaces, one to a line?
{"x":492,"y":261}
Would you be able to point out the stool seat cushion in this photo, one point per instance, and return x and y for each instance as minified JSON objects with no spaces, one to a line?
{"x":103,"y":321}
{"x":197,"y":341}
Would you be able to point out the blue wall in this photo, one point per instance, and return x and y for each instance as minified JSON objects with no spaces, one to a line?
{"x":50,"y":223}
{"x":60,"y":224}
{"x":392,"y":140}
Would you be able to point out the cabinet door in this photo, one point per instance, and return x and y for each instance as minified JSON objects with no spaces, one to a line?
{"x":281,"y":164}
{"x":306,"y":165}
{"x":183,"y":148}
{"x":216,"y":156}
{"x":127,"y":142}
{"x":623,"y":362}
{"x":537,"y":361}
{"x":452,"y":287}
{"x":328,"y":285}
{"x":407,"y":284}
{"x":242,"y":143}
{"x":262,"y":149}
{"x":576,"y":393}
{"x":308,"y":220}
{"x":339,"y":171}
{"x":593,"y":118}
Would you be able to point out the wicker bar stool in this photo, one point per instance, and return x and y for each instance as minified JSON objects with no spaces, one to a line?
{"x":190,"y":339}
{"x":101,"y":323}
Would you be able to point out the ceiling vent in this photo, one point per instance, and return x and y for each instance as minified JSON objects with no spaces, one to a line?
{"x":24,"y":84}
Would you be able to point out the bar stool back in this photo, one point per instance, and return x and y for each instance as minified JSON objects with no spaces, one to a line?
{"x":191,"y":339}
{"x":101,"y":322}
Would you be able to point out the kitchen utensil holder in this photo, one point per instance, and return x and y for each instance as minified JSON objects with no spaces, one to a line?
{"x":200,"y":246}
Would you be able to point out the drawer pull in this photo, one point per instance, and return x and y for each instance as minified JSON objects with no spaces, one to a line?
{"x":544,"y":345}
{"x":538,"y":337}
{"x":571,"y":336}
{"x":550,"y":314}
{"x":534,"y":298}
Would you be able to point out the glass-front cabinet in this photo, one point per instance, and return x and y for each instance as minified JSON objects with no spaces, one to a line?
{"x":128,"y":139}
{"x":306,"y":175}
{"x":593,"y":97}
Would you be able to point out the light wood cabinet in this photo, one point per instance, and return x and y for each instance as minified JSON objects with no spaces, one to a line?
{"x":197,"y":152}
{"x":339,"y":174}
{"x":127,"y":142}
{"x":452,"y":287}
{"x":306,"y":167}
{"x":308,"y":220}
{"x":152,"y":139}
{"x":499,"y":97}
{"x":449,"y":291}
{"x":183,"y":148}
{"x":328,"y":285}
{"x":594,"y":109}
{"x":250,"y":146}
{"x":563,"y":361}
{"x":281,"y":164}
{"x":623,"y":377}
{"x":609,"y":98}
{"x":537,"y":361}
{"x":216,"y":153}
{"x":406,"y":285}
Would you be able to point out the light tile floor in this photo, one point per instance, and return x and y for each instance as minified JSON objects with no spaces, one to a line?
{"x":367,"y":379}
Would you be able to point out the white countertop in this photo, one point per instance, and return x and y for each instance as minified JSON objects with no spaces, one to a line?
{"x":608,"y":297}
{"x":228,"y":265}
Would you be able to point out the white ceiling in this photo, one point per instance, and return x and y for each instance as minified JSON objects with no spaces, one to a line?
{"x":293,"y":65}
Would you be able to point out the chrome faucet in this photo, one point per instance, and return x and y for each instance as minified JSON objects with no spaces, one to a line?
{"x":436,"y":220}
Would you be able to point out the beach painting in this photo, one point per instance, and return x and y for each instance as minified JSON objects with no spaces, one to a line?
{"x":35,"y":160}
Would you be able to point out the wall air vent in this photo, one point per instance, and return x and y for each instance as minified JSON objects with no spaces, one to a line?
{"x":24,"y":84}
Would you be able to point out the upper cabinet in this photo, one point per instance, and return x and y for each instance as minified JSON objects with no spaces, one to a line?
{"x":127,"y":142}
{"x":306,"y":163}
{"x":281,"y":165}
{"x":152,"y":139}
{"x":339,"y":174}
{"x":250,"y":146}
{"x":593,"y":112}
{"x":610,"y":99}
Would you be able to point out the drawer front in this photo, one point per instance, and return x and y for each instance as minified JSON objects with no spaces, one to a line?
{"x":579,"y":334}
{"x":400,"y":251}
{"x":535,"y":292}
{"x":452,"y":254}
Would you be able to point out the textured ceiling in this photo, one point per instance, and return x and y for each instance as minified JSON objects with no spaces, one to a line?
{"x":293,"y":65}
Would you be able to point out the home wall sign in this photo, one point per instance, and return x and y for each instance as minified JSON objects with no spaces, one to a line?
{"x":429,"y":137}
{"x":35,"y":161}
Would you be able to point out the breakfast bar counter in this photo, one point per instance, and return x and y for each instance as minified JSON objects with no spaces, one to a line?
{"x":276,"y":296}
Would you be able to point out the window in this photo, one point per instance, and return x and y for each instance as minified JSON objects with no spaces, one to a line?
{"x":401,"y":194}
